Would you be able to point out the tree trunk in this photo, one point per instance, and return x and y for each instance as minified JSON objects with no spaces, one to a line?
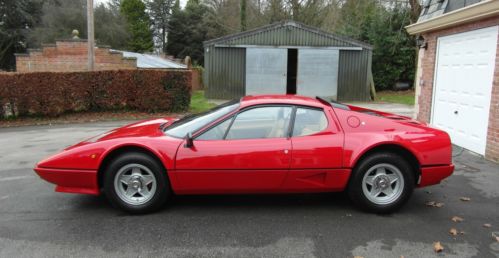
{"x":243,"y":15}
{"x":415,"y":10}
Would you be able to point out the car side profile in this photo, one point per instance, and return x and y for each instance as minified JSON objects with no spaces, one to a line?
{"x":258,"y":144}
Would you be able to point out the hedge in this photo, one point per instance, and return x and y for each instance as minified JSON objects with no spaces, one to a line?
{"x":52,"y":94}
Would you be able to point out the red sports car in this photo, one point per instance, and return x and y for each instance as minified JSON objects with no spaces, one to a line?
{"x":259,"y":144}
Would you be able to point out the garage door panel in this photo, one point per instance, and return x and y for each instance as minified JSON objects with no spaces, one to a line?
{"x":266,"y":71}
{"x":463,"y":85}
{"x":318,"y":72}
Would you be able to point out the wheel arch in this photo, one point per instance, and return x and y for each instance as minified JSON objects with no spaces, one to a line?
{"x":395,"y":149}
{"x":119,"y":150}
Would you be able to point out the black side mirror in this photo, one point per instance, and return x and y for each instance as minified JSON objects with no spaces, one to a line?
{"x":189,"y":142}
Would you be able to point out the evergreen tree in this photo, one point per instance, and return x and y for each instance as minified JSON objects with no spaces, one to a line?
{"x":17,"y":18}
{"x":383,"y":27}
{"x":176,"y":31}
{"x":139,"y":26}
{"x":187,"y":31}
{"x":194,"y":13}
{"x":160,"y":11}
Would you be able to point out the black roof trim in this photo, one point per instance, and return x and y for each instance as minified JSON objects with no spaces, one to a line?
{"x":333,"y":103}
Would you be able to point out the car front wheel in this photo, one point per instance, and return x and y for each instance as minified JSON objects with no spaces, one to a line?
{"x":136,"y":183}
{"x":381,"y":183}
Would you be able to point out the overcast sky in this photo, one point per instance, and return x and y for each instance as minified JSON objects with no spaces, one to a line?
{"x":96,"y":2}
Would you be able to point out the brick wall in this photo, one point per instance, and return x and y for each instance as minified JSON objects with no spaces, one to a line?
{"x":70,"y":56}
{"x":197,"y":79}
{"x":426,"y":82}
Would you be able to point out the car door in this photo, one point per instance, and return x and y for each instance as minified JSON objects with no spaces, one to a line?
{"x":246,"y":153}
{"x":317,"y":153}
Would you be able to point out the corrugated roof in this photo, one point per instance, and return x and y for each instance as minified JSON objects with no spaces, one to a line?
{"x":434,"y":8}
{"x":282,"y":24}
{"x":151,"y":61}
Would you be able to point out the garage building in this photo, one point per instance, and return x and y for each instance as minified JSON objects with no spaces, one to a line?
{"x":457,"y":80}
{"x":287,"y":58}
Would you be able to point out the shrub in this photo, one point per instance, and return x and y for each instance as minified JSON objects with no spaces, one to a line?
{"x":52,"y":94}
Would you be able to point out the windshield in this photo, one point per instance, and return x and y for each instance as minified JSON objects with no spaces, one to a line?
{"x":194,"y":122}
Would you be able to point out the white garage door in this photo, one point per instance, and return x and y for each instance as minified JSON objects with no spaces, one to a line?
{"x":266,"y":71}
{"x":318,"y":72}
{"x":463,"y":86}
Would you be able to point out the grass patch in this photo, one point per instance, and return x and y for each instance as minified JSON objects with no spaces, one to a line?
{"x":401,"y":97}
{"x":199,"y":102}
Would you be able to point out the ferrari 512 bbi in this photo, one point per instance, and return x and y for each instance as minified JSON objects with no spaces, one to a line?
{"x":259,"y":144}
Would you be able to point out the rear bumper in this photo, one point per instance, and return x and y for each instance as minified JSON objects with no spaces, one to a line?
{"x":434,"y":174}
{"x":71,"y":180}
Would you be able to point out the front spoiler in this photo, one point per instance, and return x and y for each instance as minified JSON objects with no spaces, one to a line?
{"x":71,"y":180}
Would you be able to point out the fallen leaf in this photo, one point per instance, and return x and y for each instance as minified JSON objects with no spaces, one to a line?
{"x":437,"y":247}
{"x":465,"y":199}
{"x":487,"y":225}
{"x":453,"y":231}
{"x":434,"y":204}
{"x":457,"y":219}
{"x":461,"y":233}
{"x":495,"y":235}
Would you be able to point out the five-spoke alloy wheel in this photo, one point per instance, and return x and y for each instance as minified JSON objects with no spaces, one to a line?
{"x":381,"y":182}
{"x":136,"y":183}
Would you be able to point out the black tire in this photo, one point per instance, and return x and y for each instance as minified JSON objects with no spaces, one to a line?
{"x":159,"y":197}
{"x":355,"y":188}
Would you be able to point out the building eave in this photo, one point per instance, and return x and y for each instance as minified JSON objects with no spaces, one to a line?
{"x":467,"y":14}
{"x":285,"y":23}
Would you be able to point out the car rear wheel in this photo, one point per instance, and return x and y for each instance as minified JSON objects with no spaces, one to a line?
{"x":137,"y":183}
{"x":381,"y":183}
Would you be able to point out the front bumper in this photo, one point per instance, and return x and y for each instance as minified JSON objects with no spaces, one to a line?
{"x":71,"y":180}
{"x":432,"y":175}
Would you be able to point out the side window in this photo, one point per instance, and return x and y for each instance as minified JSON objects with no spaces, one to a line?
{"x":262,"y":122}
{"x":309,"y":121}
{"x":217,"y":132}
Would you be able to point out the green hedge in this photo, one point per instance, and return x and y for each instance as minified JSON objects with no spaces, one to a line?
{"x":52,"y":94}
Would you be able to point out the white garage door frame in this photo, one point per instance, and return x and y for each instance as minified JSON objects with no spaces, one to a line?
{"x":468,"y":126}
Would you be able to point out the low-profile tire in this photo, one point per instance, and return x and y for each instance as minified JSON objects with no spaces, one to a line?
{"x":381,"y":182}
{"x":136,"y":183}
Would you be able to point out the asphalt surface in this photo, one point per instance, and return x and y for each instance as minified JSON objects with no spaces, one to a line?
{"x":37,"y":222}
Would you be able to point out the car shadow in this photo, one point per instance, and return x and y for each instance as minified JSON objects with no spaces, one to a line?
{"x":318,"y":200}
{"x":311,"y":202}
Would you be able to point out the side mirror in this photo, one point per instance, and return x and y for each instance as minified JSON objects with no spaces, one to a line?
{"x":189,"y":142}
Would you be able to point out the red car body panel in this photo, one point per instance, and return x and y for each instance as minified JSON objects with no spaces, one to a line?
{"x":71,"y":180}
{"x":321,"y":162}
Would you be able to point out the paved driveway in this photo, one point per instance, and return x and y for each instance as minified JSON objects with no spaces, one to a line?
{"x":37,"y":222}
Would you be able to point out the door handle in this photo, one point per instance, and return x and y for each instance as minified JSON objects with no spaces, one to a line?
{"x":455,"y":112}
{"x":286,"y":151}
